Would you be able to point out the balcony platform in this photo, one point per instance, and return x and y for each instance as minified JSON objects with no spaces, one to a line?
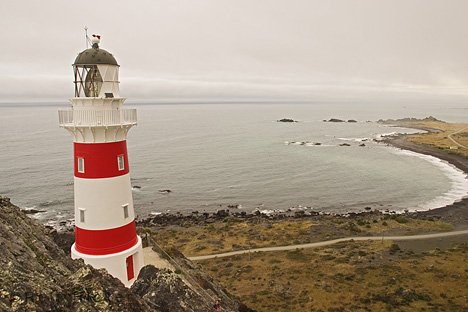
{"x":97,"y":118}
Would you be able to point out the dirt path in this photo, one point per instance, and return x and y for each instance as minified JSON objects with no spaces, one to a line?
{"x":152,"y":257}
{"x":454,"y":141}
{"x":329,"y":242}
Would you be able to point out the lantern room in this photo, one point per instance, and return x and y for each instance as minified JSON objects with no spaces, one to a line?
{"x":96,"y":73}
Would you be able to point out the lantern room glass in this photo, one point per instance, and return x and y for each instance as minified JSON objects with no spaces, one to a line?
{"x":88,"y":80}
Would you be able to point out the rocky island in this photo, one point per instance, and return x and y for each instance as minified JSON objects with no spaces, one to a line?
{"x":286,"y":120}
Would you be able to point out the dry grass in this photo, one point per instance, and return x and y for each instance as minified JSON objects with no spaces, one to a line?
{"x":440,"y":139}
{"x":359,"y":276}
{"x":233,"y":235}
{"x":400,"y":224}
{"x":236,"y":234}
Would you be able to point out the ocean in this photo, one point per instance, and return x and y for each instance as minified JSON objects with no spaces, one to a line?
{"x":212,"y":156}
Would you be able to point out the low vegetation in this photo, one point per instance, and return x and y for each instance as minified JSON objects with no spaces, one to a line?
{"x":235,"y":234}
{"x":439,"y":134}
{"x":353,"y":276}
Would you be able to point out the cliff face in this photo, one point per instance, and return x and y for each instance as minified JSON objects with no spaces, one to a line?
{"x":186,"y":289}
{"x":37,"y":275}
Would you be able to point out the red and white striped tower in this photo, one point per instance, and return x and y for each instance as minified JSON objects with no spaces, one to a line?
{"x":105,"y":233}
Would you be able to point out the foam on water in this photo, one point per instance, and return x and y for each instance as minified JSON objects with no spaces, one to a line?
{"x":354,"y":139}
{"x":459,"y":181}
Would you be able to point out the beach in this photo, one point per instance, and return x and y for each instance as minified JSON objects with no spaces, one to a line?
{"x":456,"y":213}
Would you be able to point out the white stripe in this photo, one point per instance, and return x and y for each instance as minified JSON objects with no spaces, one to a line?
{"x":102,"y":201}
{"x":115,"y":263}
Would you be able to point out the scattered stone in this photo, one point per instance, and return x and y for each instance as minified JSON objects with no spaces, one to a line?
{"x":32,"y":211}
{"x":286,"y":120}
{"x":335,"y":120}
{"x":352,"y":120}
{"x":222,"y":213}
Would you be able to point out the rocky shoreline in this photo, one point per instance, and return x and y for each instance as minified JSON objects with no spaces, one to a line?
{"x":455,"y":214}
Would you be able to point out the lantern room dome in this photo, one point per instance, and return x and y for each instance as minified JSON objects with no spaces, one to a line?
{"x":93,"y":56}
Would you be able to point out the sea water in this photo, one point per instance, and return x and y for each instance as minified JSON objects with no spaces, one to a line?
{"x":214,"y":155}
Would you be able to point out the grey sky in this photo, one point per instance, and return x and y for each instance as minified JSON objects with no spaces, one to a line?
{"x":261,"y":49}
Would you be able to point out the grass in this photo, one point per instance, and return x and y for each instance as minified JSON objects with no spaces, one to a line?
{"x":236,"y":234}
{"x":439,"y":139}
{"x":358,"y":276}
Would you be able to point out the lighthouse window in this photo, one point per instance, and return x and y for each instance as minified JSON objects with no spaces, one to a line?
{"x":120,"y":162}
{"x":80,"y":164}
{"x":125,"y":209}
{"x":82,"y":215}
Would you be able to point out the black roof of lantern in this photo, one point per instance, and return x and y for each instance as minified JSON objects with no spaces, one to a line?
{"x":95,"y":55}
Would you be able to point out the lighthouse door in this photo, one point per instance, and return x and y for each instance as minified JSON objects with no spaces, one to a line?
{"x":130,"y":272}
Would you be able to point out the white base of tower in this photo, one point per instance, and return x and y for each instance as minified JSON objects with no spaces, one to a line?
{"x":116,"y":264}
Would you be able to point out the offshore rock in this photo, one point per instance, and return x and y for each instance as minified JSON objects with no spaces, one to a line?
{"x":405,"y":120}
{"x":286,"y":120}
{"x":335,"y":120}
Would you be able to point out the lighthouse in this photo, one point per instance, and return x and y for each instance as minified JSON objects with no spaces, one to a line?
{"x":105,"y":231}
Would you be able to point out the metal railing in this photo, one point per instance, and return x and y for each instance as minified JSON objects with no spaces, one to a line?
{"x":89,"y":118}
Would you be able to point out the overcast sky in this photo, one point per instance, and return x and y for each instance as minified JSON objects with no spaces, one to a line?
{"x":248,"y":49}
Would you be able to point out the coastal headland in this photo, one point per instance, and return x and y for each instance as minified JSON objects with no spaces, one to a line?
{"x":380,"y":275}
{"x":353,"y":275}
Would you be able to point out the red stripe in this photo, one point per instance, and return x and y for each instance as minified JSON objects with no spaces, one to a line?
{"x":104,"y":242}
{"x":100,"y":159}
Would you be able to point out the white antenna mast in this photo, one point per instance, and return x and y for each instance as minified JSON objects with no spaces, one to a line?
{"x":86,"y":35}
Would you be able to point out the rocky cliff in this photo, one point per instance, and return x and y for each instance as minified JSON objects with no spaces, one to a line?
{"x":37,"y":275}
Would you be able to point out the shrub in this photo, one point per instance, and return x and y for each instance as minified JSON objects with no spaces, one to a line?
{"x":297,"y":255}
{"x":394,"y":248}
{"x":401,"y":219}
{"x":361,"y":222}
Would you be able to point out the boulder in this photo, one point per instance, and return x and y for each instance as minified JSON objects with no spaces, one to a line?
{"x":286,"y":120}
